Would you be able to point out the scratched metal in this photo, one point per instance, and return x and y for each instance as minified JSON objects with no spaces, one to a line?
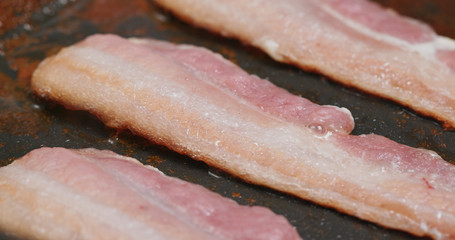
{"x":32,"y":30}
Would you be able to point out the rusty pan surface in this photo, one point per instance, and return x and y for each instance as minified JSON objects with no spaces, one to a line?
{"x":32,"y":30}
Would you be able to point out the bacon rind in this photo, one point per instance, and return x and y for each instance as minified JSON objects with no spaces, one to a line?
{"x":128,"y":86}
{"x":57,"y":193}
{"x":304,"y":34}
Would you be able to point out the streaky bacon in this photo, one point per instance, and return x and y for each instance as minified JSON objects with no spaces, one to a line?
{"x":260,"y":93}
{"x":58,"y":193}
{"x":355,"y":42}
{"x":151,"y":88}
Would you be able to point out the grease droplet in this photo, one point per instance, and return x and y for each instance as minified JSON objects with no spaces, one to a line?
{"x":317,"y":128}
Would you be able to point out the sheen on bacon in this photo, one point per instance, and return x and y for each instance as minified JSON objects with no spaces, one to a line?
{"x":58,"y":193}
{"x":355,"y":42}
{"x":199,"y":104}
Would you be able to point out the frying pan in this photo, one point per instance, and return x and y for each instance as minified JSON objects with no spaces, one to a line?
{"x":32,"y":30}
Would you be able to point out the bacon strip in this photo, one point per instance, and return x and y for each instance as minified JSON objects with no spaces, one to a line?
{"x":354,"y":42}
{"x":259,"y":93}
{"x":152,"y":89}
{"x":57,"y":193}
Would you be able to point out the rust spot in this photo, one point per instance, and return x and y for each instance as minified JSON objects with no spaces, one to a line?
{"x":25,"y":68}
{"x":400,"y":122}
{"x":18,"y":12}
{"x":251,"y":201}
{"x":228,"y":53}
{"x":435,"y":132}
{"x":419,"y":131}
{"x":19,"y":115}
{"x":66,"y":131}
{"x":442,"y":145}
{"x":108,"y":13}
{"x":154,"y":160}
{"x":236,"y":195}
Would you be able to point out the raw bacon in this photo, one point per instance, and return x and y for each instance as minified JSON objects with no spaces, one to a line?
{"x":57,"y":193}
{"x":260,"y":93}
{"x":355,"y":42}
{"x":167,"y":93}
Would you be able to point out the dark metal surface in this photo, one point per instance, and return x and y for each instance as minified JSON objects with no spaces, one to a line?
{"x":29,"y":34}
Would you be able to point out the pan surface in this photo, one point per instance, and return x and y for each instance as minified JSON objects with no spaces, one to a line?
{"x":33,"y":30}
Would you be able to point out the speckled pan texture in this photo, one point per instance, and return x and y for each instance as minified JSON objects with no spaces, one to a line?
{"x":33,"y":30}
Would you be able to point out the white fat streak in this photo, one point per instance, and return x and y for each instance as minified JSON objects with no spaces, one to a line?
{"x":81,"y":205}
{"x":157,"y":199}
{"x":270,"y":45}
{"x":429,"y":49}
{"x":426,"y":49}
{"x":138,"y":40}
{"x":434,"y":232}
